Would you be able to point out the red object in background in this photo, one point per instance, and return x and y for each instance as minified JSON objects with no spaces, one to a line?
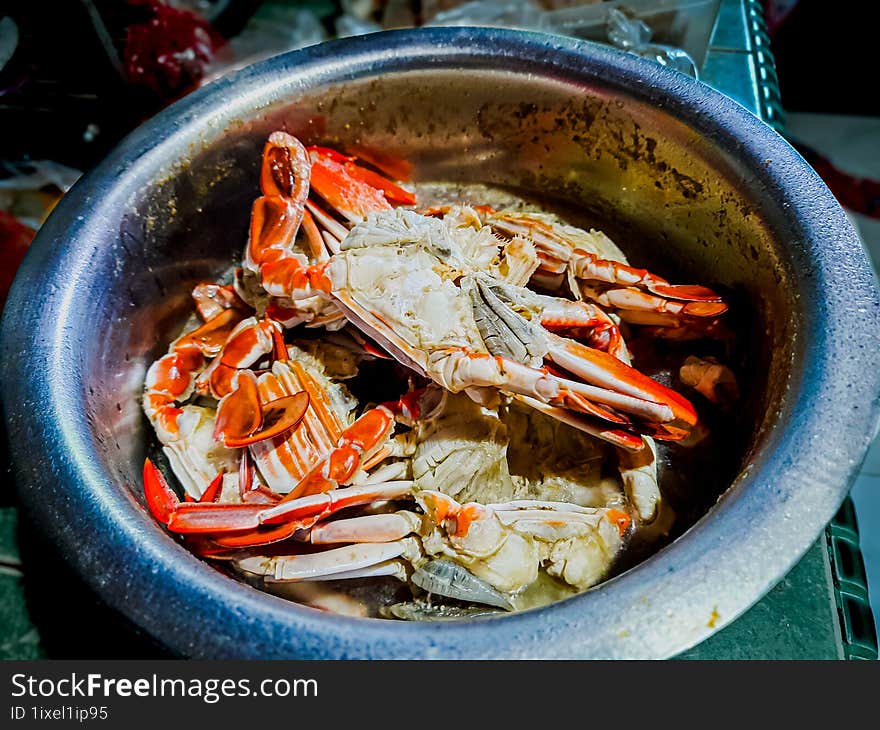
{"x":169,"y":51}
{"x":15,"y":237}
{"x":858,"y":194}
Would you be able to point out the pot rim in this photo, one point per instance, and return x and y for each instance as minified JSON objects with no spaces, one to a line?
{"x":797,"y":479}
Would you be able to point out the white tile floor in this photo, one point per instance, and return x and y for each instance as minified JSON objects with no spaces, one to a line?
{"x":853,"y":145}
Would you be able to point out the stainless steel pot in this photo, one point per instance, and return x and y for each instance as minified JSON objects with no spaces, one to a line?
{"x":691,"y":182}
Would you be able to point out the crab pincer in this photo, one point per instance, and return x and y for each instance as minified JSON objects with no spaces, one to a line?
{"x":243,"y":420}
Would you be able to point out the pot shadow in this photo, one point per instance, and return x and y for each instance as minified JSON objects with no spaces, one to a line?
{"x":71,"y":620}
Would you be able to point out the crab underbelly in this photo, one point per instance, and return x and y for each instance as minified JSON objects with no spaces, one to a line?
{"x":396,"y":294}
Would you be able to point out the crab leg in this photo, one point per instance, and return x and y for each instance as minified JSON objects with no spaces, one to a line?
{"x":633,"y":300}
{"x":286,"y":520}
{"x":218,"y":518}
{"x":321,"y":506}
{"x":627,"y":389}
{"x":561,"y":251}
{"x":589,"y":266}
{"x":388,"y":472}
{"x":604,"y":370}
{"x":639,"y":474}
{"x":370,"y":528}
{"x":623,"y":439}
{"x":388,"y":568}
{"x":245,"y":345}
{"x":583,"y":321}
{"x":332,"y":227}
{"x":350,"y":189}
{"x":329,"y":563}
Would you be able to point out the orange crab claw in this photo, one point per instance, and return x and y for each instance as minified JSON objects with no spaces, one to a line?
{"x":161,"y":500}
{"x":213,"y":489}
{"x":285,"y":169}
{"x":351,"y":196}
{"x":212,"y":335}
{"x":686,"y":292}
{"x":392,"y":192}
{"x":278,"y":416}
{"x":239,"y":414}
{"x":392,"y":165}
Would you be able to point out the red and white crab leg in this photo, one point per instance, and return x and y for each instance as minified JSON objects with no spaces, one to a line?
{"x":243,"y":521}
{"x":351,"y":561}
{"x":624,"y":388}
{"x":289,"y":518}
{"x":604,"y":370}
{"x":369,"y":528}
{"x":637,"y":306}
{"x":583,"y":321}
{"x":590,"y":267}
{"x":592,"y":426}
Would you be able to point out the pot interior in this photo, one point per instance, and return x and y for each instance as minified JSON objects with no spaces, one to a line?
{"x":662,"y":191}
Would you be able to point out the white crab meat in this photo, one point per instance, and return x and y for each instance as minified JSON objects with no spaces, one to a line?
{"x":194,"y":456}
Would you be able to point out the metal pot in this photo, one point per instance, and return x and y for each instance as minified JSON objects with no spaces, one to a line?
{"x":692,"y":182}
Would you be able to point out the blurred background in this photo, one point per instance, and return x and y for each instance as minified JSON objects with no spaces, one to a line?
{"x":78,"y":75}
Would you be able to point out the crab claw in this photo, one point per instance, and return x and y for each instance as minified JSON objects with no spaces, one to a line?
{"x":285,"y":169}
{"x":213,"y":489}
{"x":161,"y":500}
{"x":344,"y":190}
{"x":239,"y":414}
{"x":242,"y":420}
{"x":684,"y":292}
{"x":211,"y":336}
{"x":279,"y":415}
